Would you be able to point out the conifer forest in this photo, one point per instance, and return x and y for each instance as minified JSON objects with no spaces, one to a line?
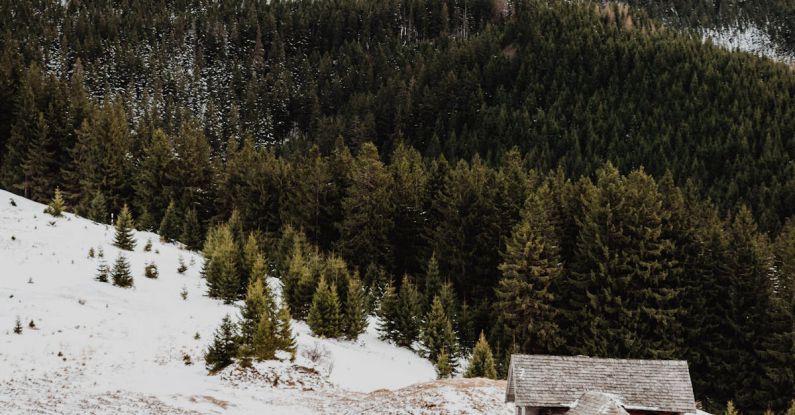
{"x":487,"y":177}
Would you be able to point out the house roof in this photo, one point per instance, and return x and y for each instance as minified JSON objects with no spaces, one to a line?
{"x":597,"y":403}
{"x":558,"y":381}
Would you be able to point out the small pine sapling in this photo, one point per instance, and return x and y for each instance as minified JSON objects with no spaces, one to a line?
{"x":12,"y":202}
{"x":184,"y":294}
{"x":101,"y":253}
{"x":481,"y":365}
{"x":32,"y":324}
{"x":18,"y":327}
{"x":443,"y":367}
{"x":56,"y":206}
{"x":91,"y":253}
{"x":150,"y":271}
{"x":182,"y":267}
{"x":124,"y":230}
{"x":103,"y":272}
{"x":120,"y":275}
{"x":148,"y":246}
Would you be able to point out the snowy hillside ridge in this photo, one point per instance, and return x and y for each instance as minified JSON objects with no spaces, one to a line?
{"x":97,"y":348}
{"x":748,"y":39}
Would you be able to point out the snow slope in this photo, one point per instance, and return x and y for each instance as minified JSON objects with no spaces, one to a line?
{"x":101,"y":349}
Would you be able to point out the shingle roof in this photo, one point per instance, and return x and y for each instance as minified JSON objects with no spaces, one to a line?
{"x":597,"y":403}
{"x":557,"y":381}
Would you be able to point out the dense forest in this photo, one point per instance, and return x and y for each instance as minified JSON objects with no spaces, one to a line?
{"x":776,"y":18}
{"x":570,"y":178}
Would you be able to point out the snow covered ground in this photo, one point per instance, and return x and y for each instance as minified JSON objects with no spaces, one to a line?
{"x":101,"y":349}
{"x":748,"y":39}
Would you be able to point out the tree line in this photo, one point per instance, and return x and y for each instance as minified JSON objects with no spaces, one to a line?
{"x":452,"y":167}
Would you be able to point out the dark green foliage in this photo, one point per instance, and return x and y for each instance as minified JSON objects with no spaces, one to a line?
{"x":355,"y":319}
{"x":222,"y":264}
{"x":367,"y":211}
{"x":120,"y":275}
{"x":124,"y":230}
{"x":284,"y":331}
{"x":443,"y":367}
{"x":192,"y":234}
{"x":481,"y":363}
{"x":325,"y":318}
{"x":169,"y":229}
{"x":388,"y":313}
{"x":648,"y":268}
{"x":56,"y":206}
{"x":224,"y":346}
{"x":97,"y":209}
{"x":433,"y":281}
{"x":150,"y":271}
{"x":258,"y":303}
{"x":531,"y":269}
{"x":437,"y":336}
{"x":401,"y":313}
{"x":18,"y":327}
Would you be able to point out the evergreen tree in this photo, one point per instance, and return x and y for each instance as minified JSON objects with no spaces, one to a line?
{"x":264,"y":341}
{"x":56,"y":206}
{"x":124,"y":227}
{"x":222,"y":265}
{"x":531,"y":268}
{"x":103,"y":272}
{"x":730,"y":409}
{"x":98,"y":208}
{"x":324,"y":316}
{"x":224,"y":346}
{"x":409,"y":313}
{"x":367,"y":211}
{"x":191,"y":234}
{"x":258,"y":303}
{"x":251,"y":253}
{"x":437,"y":336}
{"x":169,"y":226}
{"x":355,"y":309}
{"x":121,"y":275}
{"x":388,"y":314}
{"x":284,"y":330}
{"x":443,"y":367}
{"x":433,"y":281}
{"x":481,"y":363}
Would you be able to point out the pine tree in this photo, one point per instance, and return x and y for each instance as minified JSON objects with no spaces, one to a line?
{"x":284,"y":330}
{"x":56,"y":206}
{"x":531,"y":267}
{"x":367,"y":211}
{"x":264,"y":341}
{"x":124,"y":225}
{"x":388,"y":314}
{"x":481,"y":364}
{"x":169,"y":226}
{"x":324,"y":316}
{"x":191,"y":234}
{"x":258,"y":303}
{"x":443,"y":367}
{"x":251,"y":252}
{"x":437,"y":335}
{"x":409,"y":313}
{"x":730,"y":409}
{"x":224,"y":346}
{"x":98,"y":208}
{"x":433,"y":281}
{"x":103,"y":272}
{"x":121,"y":275}
{"x":222,"y":265}
{"x":355,"y":309}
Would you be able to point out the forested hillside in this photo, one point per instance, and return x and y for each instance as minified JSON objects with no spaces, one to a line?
{"x":775,"y":18}
{"x":566,"y":177}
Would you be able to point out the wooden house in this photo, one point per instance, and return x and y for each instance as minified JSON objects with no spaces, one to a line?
{"x":578,"y":385}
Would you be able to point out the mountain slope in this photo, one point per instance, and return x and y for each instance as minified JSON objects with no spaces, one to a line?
{"x":97,"y":348}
